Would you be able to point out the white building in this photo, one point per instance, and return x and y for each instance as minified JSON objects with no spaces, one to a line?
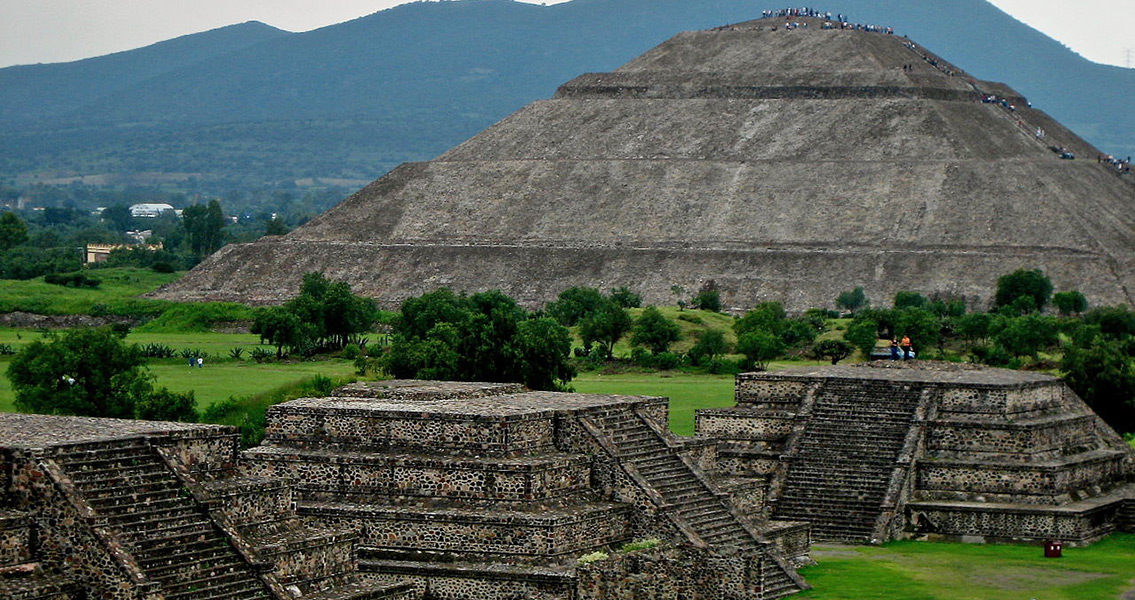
{"x":149,"y":210}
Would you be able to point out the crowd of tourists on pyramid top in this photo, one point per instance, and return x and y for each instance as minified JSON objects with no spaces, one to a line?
{"x":804,"y":12}
{"x":811,"y":12}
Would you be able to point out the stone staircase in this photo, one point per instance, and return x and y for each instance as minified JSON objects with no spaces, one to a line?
{"x":162,"y":528}
{"x":1125,"y":519}
{"x":838,"y":481}
{"x":22,"y":577}
{"x":696,"y":504}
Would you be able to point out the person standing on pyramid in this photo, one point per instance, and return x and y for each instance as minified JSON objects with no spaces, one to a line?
{"x":906,"y":347}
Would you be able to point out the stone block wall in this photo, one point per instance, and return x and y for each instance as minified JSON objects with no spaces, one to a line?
{"x":461,"y":582}
{"x":753,"y":390}
{"x":1039,"y":440}
{"x":1017,"y":401}
{"x":691,"y":574}
{"x":15,"y":538}
{"x":1053,"y":483}
{"x":343,"y":427}
{"x":1010,"y":524}
{"x":478,"y":535}
{"x":320,"y":474}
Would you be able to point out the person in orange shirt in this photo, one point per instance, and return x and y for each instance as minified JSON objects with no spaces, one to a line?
{"x":905,"y":347}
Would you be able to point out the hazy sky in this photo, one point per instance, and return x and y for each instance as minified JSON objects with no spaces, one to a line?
{"x":33,"y":31}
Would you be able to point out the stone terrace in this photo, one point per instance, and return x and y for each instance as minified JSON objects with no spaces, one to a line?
{"x":889,"y":449}
{"x":459,"y":486}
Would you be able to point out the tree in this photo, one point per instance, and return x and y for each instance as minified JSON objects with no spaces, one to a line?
{"x":625,"y":298}
{"x":709,"y":346}
{"x":275,"y":226}
{"x":204,"y":226}
{"x":13,"y":231}
{"x":1103,"y":375}
{"x":852,"y":301}
{"x":483,"y":337}
{"x":1113,"y":321}
{"x":836,"y":350}
{"x":770,"y":317}
{"x":863,"y":334}
{"x":87,"y":372}
{"x":545,"y":347}
{"x":1070,"y":303}
{"x":760,"y":347}
{"x":922,"y":326}
{"x":1027,"y":335}
{"x":281,"y":328}
{"x":164,"y":405}
{"x":766,"y":316}
{"x":605,"y":325}
{"x":118,"y":217}
{"x":707,"y":300}
{"x":574,"y":304}
{"x":328,"y":310}
{"x":654,"y":331}
{"x":904,"y":299}
{"x":974,"y":326}
{"x":1032,"y":284}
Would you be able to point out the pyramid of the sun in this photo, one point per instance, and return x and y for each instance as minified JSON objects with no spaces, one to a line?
{"x":781,"y":164}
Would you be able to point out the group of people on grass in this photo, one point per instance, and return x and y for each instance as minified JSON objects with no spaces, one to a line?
{"x":904,"y":346}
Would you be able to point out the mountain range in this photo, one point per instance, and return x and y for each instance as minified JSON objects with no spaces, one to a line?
{"x":250,"y":105}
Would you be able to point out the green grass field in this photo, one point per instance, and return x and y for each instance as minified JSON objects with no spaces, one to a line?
{"x":686,"y":392}
{"x":941,"y":571}
{"x":117,"y":294}
{"x":219,"y":379}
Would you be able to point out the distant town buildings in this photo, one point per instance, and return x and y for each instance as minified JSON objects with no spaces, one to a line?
{"x":151,"y":211}
{"x":97,"y":253}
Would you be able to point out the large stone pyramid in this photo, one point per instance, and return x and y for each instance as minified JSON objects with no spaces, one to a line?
{"x":780,"y":164}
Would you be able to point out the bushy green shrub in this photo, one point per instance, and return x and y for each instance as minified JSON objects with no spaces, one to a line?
{"x":157,"y":350}
{"x":587,"y":559}
{"x":77,"y":279}
{"x":640,"y":545}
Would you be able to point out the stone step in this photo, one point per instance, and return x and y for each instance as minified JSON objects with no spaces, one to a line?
{"x":677,"y":488}
{"x":862,"y":478}
{"x":364,"y":590}
{"x":159,"y":490}
{"x":175,"y":557}
{"x":118,"y":478}
{"x":108,"y":449}
{"x":667,"y":477}
{"x":153,"y":522}
{"x":242,"y":587}
{"x":170,"y":505}
{"x":651,"y":463}
{"x":128,"y":458}
{"x":195,"y":569}
{"x":176,"y":535}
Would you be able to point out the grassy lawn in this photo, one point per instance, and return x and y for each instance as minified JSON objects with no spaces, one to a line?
{"x":941,"y":571}
{"x":116,"y":293}
{"x":218,"y":379}
{"x":686,"y":392}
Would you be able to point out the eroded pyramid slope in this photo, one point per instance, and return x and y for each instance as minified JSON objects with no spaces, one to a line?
{"x":781,"y":164}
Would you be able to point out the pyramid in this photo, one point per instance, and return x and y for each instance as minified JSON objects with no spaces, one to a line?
{"x":778,"y":164}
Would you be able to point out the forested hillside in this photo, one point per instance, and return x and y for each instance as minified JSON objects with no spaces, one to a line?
{"x":250,"y":106}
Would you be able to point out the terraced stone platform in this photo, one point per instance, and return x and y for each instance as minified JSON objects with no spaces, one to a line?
{"x":478,"y":484}
{"x":868,"y":453}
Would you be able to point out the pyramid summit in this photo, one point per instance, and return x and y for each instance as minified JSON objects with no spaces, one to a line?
{"x":782,"y":159}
